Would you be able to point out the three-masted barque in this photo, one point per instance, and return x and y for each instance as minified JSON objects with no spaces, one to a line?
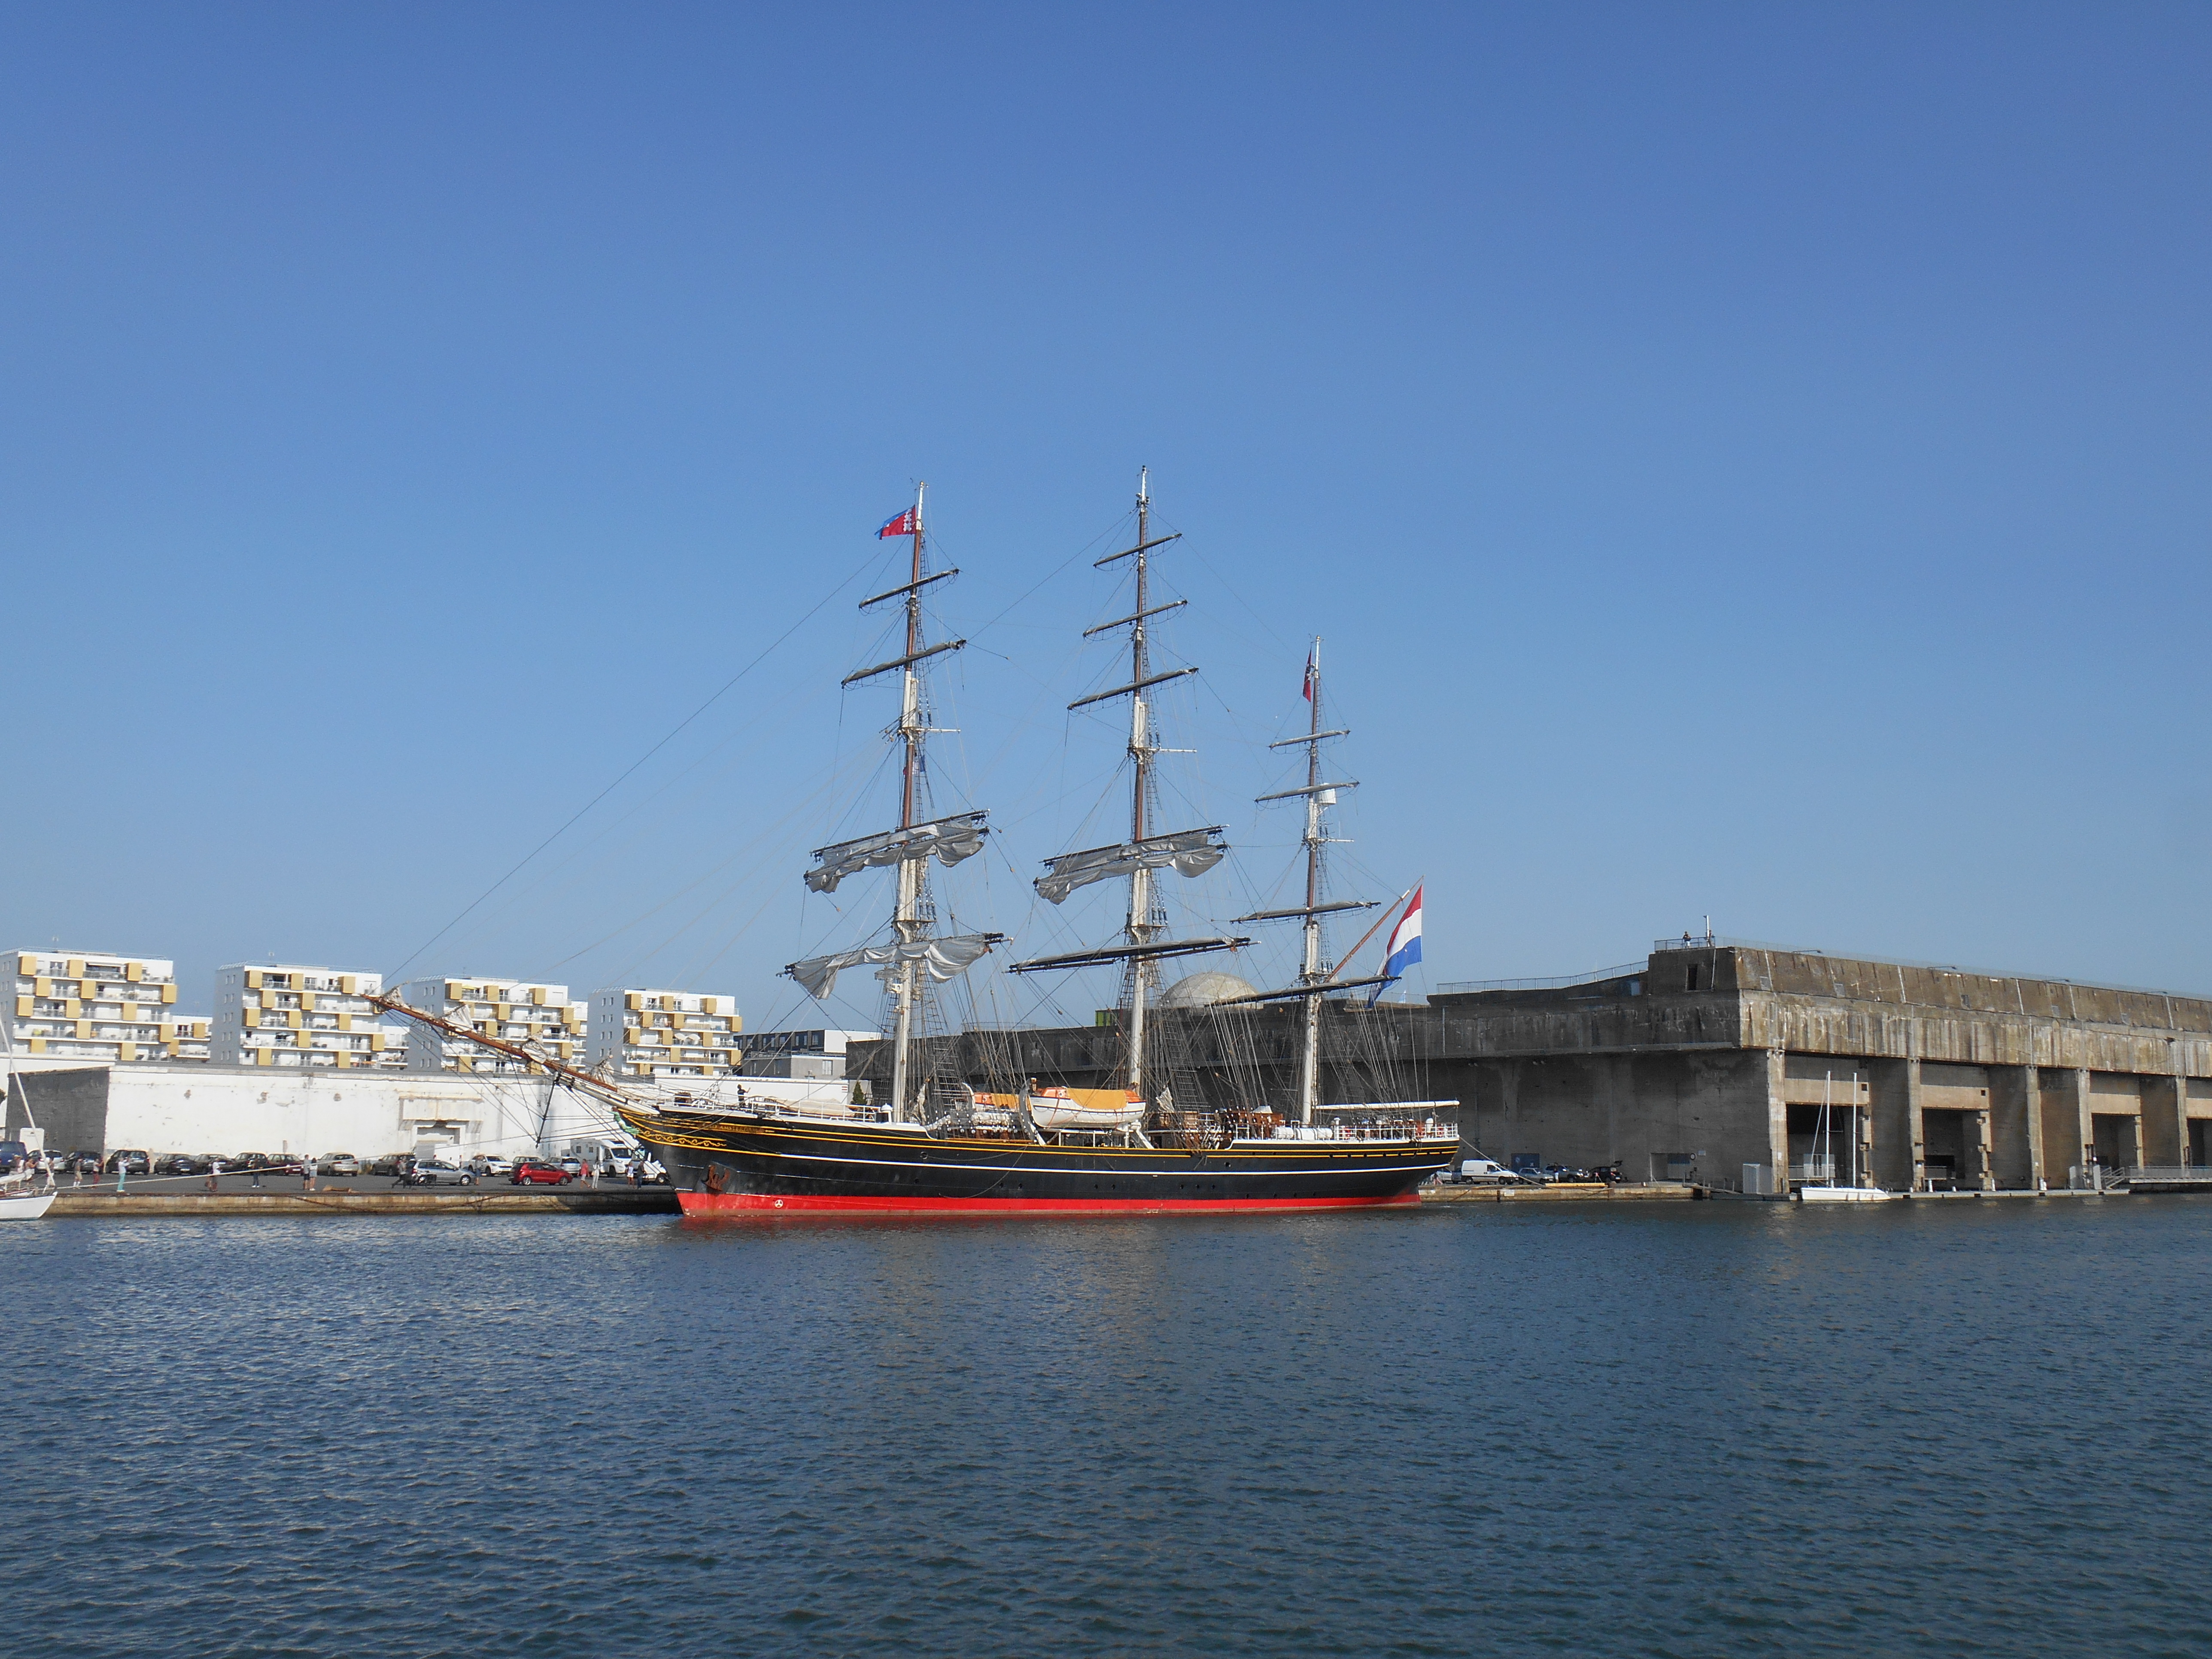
{"x":928,"y":1145}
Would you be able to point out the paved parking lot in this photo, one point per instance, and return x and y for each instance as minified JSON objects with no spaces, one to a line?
{"x":273,"y":1182}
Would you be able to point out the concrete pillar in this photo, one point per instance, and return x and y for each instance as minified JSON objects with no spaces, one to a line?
{"x":2016,"y":1126}
{"x":1914,"y":1123}
{"x":1777,"y":1120}
{"x":2085,"y":1133}
{"x":1863,"y":1115}
{"x":1985,"y":1151}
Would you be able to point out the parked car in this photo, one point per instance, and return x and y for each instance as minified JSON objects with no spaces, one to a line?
{"x":655,"y":1171}
{"x":426,"y":1174}
{"x":491,"y":1164}
{"x":175,"y":1164}
{"x":572,"y":1167}
{"x":535,"y":1172}
{"x":393,"y":1164}
{"x":338,"y":1164}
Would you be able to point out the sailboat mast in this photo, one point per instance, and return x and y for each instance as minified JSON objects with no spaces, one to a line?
{"x":908,"y":919}
{"x":1140,"y":928}
{"x":1310,"y":973}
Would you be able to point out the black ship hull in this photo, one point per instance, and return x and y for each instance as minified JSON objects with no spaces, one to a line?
{"x":733,"y":1165}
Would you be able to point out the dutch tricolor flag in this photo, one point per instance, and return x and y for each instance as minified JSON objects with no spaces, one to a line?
{"x":1405,"y":940}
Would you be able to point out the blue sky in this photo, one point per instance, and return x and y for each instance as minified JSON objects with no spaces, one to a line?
{"x":1743,"y":460}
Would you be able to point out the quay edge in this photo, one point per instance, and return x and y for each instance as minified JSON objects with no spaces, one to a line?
{"x":132,"y":1206}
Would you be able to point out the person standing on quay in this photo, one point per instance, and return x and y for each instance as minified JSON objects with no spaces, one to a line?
{"x":308,"y":1172}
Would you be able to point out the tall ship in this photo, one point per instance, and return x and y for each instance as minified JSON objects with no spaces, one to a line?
{"x":933,"y":1141}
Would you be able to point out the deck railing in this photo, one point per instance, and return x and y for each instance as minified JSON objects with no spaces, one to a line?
{"x":1555,"y":982}
{"x":2200,"y":1173}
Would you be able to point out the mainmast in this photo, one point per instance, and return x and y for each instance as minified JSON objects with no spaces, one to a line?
{"x":913,"y":952}
{"x":1189,"y":852}
{"x":1139,"y":927}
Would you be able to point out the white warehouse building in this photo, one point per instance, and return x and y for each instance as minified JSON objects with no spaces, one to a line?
{"x":370,"y":1111}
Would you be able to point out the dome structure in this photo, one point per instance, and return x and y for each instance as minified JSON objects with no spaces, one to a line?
{"x":1202,"y":990}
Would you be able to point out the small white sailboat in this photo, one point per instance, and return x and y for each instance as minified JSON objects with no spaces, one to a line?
{"x":1827,"y":1192}
{"x":18,"y":1202}
{"x":18,"y":1199}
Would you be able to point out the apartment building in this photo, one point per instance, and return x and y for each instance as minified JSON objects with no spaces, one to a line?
{"x":286,"y":1014}
{"x":101,"y":1004}
{"x":639,"y":1033}
{"x":516,"y":1011}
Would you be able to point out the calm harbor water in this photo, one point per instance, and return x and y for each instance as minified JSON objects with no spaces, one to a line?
{"x":1673,"y":1429}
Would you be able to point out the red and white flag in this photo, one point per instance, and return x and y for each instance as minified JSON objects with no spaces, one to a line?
{"x":901,"y":524}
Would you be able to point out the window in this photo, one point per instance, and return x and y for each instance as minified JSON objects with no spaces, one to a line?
{"x":1690,"y":977}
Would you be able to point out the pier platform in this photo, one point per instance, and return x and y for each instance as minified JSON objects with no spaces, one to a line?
{"x":1559,"y":1192}
{"x":129,"y":1206}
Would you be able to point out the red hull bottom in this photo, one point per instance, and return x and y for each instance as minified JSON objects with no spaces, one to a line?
{"x":735,"y":1206}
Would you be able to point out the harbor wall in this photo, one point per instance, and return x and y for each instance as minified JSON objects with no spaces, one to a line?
{"x":1714,"y":1056}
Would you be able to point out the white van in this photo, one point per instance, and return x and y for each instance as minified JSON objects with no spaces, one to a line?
{"x":1483,"y":1172}
{"x":609,"y":1155}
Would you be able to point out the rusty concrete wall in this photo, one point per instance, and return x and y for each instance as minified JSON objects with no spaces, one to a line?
{"x":1635,"y":1110}
{"x":1639,"y":1066}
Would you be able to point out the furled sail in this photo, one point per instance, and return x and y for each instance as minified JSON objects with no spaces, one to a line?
{"x":947,"y":839}
{"x":1187,"y":852}
{"x":940,"y":959}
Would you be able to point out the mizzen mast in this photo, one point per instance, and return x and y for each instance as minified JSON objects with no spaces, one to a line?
{"x":1315,"y":978}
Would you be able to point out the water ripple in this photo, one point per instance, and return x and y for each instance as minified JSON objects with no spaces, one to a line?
{"x":1941,"y":1429}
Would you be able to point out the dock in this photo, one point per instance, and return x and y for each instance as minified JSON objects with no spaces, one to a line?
{"x":1557,"y":1191}
{"x":651,"y":1200}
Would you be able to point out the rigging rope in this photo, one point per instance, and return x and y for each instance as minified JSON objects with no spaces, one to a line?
{"x":673,"y":733}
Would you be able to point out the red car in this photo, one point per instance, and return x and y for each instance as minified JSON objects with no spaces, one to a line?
{"x":529,"y":1171}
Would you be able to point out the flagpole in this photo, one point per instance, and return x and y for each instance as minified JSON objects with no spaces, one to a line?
{"x":1394,"y":978}
{"x":1369,"y":934}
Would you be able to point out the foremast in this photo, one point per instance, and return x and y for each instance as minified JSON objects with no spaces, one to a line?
{"x":907,"y":921}
{"x":914,"y":957}
{"x":1189,"y":852}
